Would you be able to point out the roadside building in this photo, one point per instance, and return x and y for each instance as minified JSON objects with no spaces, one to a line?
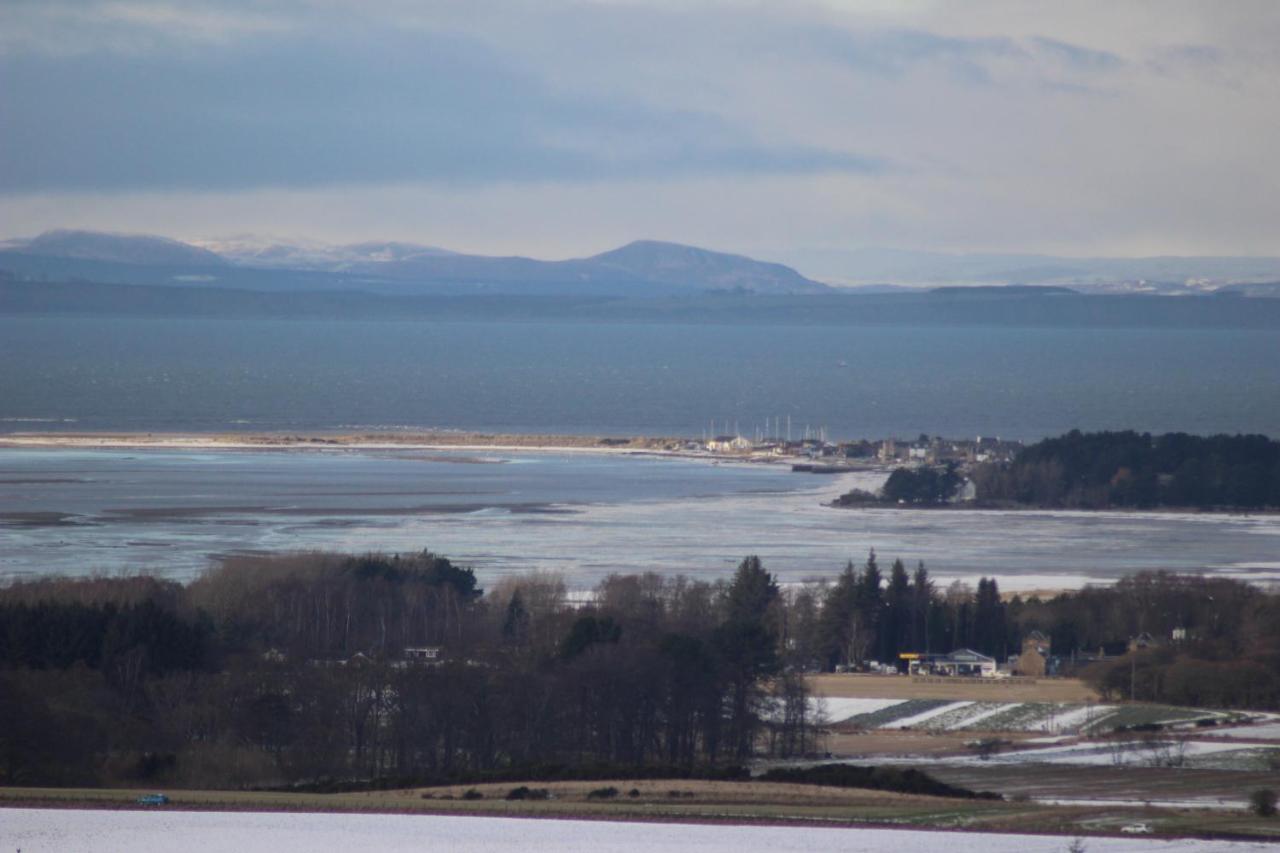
{"x":959,"y":663}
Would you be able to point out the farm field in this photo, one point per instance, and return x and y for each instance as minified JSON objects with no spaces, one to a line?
{"x":98,"y":831}
{"x":1049,"y":718}
{"x":1046,"y":706}
{"x":1066,"y":751}
{"x":1183,"y":787}
{"x":665,"y":801}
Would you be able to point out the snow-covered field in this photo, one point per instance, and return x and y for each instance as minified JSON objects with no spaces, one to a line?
{"x":838,"y":709}
{"x":1119,"y":754}
{"x":925,"y":719}
{"x":1264,"y":731}
{"x":1050,"y":718}
{"x":100,"y":831}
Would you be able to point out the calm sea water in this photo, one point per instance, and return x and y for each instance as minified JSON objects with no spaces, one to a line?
{"x":198,"y":375}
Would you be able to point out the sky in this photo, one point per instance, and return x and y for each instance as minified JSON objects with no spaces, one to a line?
{"x":559,"y":129}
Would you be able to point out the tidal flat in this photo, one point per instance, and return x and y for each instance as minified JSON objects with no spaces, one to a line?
{"x":172,"y":511}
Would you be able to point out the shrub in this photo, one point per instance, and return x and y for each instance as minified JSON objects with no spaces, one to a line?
{"x":986,"y":747}
{"x":603,"y":793}
{"x":1263,"y":802}
{"x":524,"y":792}
{"x":472,"y":794}
{"x":904,"y":780}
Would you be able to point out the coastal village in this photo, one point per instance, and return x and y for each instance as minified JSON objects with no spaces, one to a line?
{"x":817,"y":455}
{"x":840,"y":456}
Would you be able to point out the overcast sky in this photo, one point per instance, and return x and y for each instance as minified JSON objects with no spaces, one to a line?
{"x":557,"y":129}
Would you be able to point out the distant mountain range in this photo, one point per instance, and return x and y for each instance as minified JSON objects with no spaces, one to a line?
{"x":1167,"y":275}
{"x":641,"y":268}
{"x":115,"y":248}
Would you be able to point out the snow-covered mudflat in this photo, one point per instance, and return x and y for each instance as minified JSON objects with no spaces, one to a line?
{"x":169,"y":510}
{"x":100,"y":831}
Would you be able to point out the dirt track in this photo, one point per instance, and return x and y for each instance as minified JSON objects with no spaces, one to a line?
{"x":983,"y":689}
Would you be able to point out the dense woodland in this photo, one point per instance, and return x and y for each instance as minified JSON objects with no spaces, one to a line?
{"x":920,"y":487}
{"x":292,"y":669}
{"x":1103,"y":470}
{"x":1129,"y":469}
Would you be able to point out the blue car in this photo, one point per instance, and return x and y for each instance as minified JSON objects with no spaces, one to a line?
{"x":153,"y":800}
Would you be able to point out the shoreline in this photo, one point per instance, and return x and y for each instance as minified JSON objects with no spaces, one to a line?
{"x":426,"y":440}
{"x":1032,"y":509}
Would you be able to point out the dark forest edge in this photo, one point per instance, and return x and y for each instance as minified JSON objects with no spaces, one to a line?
{"x":329,"y":669}
{"x":1102,"y":470}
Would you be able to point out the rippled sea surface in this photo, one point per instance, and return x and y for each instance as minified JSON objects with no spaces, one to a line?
{"x":184,"y":375}
{"x":170,"y":513}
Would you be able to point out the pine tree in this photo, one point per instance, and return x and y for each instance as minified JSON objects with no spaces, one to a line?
{"x":897,"y":622}
{"x":922,"y":594}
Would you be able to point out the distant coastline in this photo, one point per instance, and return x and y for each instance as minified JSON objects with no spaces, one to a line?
{"x":430,"y":440}
{"x":424,"y":440}
{"x":1032,"y":509}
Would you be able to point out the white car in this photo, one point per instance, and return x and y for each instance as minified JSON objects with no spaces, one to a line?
{"x":1137,"y":828}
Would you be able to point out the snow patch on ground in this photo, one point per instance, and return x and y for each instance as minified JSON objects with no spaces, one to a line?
{"x":101,"y":831}
{"x":1206,"y":803}
{"x":984,"y":711}
{"x":918,"y":720}
{"x":1105,"y":754}
{"x":1267,"y":731}
{"x":838,"y":709}
{"x":1074,"y":719}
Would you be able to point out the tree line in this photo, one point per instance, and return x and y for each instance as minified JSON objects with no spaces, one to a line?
{"x":299,"y":668}
{"x":922,"y":487}
{"x":1130,"y":469}
{"x":296,"y":668}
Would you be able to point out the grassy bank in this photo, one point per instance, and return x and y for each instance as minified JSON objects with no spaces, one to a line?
{"x":692,"y":801}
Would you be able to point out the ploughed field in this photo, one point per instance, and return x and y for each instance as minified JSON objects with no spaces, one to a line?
{"x":1014,"y":707}
{"x":1049,"y":741}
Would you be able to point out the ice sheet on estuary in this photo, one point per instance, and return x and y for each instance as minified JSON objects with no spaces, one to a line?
{"x":102,"y":831}
{"x":584,"y":515}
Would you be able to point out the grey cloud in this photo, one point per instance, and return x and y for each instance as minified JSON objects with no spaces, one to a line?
{"x":371,"y":106}
{"x":1078,"y":57}
{"x":1061,"y":126}
{"x":894,"y":52}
